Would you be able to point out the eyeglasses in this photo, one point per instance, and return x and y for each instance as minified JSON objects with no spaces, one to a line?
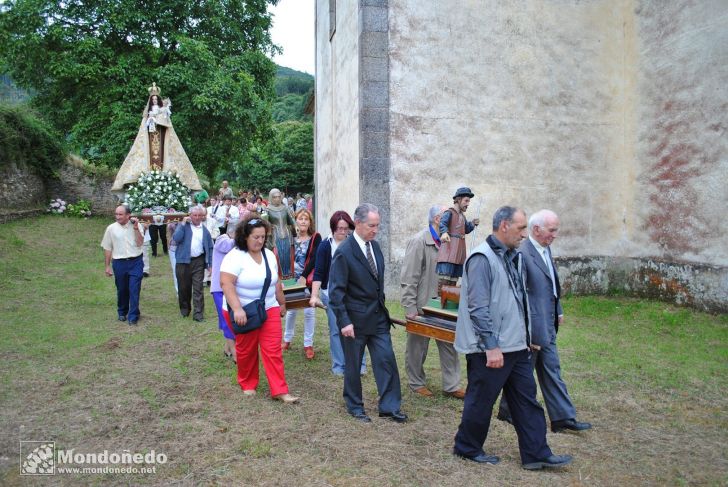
{"x":254,"y":221}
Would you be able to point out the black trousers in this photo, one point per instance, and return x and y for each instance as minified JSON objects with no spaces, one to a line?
{"x":190,"y":286}
{"x":516,"y":380}
{"x":384,"y":365}
{"x":158,"y":232}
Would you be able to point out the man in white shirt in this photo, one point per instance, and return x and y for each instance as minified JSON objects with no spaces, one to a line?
{"x":226,"y":213}
{"x":122,"y":244}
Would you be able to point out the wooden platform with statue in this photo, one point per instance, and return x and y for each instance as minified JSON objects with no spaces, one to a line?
{"x":157,"y":179}
{"x":297,"y":295}
{"x":438,"y":318}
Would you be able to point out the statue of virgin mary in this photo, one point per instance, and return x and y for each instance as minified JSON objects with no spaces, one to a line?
{"x":156,"y":147}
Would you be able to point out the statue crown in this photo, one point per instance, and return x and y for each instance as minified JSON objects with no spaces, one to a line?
{"x":153,"y":90}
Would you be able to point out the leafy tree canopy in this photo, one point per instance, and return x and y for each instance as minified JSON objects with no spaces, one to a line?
{"x":89,"y":62}
{"x":290,"y":107}
{"x":285,"y":161}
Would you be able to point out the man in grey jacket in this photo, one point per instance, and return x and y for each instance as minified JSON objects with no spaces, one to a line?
{"x":544,"y":299}
{"x":419,"y":285}
{"x":493,"y":331}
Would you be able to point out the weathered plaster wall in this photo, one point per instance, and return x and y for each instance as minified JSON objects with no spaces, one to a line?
{"x":682,"y":144}
{"x":337,"y":112}
{"x":613,"y":113}
{"x":525,"y":102}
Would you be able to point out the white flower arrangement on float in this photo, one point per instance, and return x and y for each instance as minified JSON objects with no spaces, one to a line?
{"x":158,"y":192}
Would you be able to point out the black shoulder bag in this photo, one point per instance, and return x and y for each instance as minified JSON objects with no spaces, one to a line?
{"x":254,"y":310}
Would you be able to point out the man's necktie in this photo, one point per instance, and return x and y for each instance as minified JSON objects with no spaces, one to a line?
{"x":547,"y":259}
{"x":370,"y":258}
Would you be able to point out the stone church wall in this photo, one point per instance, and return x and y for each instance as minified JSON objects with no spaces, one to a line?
{"x":337,"y":112}
{"x":611,"y":113}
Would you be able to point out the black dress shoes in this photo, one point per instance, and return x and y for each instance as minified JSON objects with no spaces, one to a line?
{"x":122,"y":317}
{"x":361,"y":417}
{"x":554,"y":461}
{"x":483,"y":458}
{"x":569,"y":424}
{"x":397,"y":416}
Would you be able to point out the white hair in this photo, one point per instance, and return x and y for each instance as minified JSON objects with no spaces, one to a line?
{"x":539,"y":218}
{"x":434,"y":212}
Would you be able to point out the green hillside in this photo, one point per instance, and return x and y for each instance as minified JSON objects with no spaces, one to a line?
{"x":293,"y":89}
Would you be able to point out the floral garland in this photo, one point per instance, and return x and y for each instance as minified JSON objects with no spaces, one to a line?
{"x":155,"y":189}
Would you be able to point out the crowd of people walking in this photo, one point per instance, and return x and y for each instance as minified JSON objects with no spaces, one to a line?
{"x":508,"y":315}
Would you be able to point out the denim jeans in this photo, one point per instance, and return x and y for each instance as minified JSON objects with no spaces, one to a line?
{"x":335,"y":348}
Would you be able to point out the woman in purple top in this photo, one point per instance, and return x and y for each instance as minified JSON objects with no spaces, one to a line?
{"x":223,"y":245}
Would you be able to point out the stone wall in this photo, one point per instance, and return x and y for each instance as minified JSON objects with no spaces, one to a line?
{"x":74,"y":184}
{"x":22,"y":190}
{"x":611,"y":113}
{"x":700,"y":286}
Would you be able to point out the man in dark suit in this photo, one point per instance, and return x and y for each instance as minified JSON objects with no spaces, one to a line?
{"x":356,"y":296}
{"x":544,"y":293}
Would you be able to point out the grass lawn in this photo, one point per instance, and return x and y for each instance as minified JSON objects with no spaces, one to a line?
{"x":651,"y":377}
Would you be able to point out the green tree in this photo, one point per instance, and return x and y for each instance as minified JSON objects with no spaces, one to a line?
{"x":289,"y":107}
{"x":284,"y":161}
{"x":88,"y":63}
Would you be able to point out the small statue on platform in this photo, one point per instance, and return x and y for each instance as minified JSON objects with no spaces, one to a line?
{"x":283,"y":227}
{"x":453,"y":228}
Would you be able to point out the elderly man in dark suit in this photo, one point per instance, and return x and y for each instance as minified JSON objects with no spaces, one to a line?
{"x":544,"y":293}
{"x":356,"y":296}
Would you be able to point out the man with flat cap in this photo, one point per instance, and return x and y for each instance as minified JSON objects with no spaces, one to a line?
{"x":452,"y":229}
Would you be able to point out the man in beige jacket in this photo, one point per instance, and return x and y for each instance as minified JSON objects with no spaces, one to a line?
{"x":419,"y":285}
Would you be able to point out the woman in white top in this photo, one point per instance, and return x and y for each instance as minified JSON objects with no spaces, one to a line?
{"x":242,"y":275}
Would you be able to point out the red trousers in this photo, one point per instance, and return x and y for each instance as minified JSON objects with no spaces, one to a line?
{"x":268,"y":337}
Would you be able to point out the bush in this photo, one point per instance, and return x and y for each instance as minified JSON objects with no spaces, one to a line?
{"x":81,"y":209}
{"x":57,"y":206}
{"x":28,"y":141}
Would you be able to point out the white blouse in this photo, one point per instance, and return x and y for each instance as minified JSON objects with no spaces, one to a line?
{"x":251,"y":276}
